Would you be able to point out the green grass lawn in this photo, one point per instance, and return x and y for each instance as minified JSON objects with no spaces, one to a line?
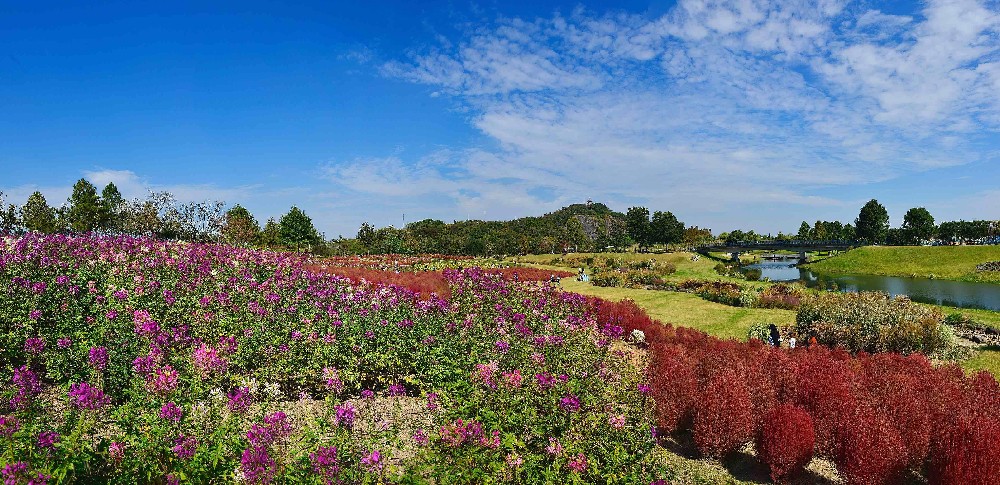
{"x":944,"y":262}
{"x":688,"y":310}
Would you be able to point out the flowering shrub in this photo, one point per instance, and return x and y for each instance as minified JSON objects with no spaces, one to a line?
{"x":872,"y":322}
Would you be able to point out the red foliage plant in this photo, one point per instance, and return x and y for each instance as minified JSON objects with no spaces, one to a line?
{"x":875,"y":416}
{"x":785,"y":441}
{"x":723,"y":415}
{"x":424,"y":283}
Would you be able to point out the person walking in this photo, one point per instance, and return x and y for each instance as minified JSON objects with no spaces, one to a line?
{"x":775,"y":336}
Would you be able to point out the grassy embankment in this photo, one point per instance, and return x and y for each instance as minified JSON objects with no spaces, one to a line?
{"x":685,"y":309}
{"x":942,"y":262}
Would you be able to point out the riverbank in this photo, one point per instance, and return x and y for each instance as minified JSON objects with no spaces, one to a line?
{"x":956,"y":263}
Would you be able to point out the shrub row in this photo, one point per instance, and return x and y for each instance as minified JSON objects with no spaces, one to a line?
{"x":877,"y":417}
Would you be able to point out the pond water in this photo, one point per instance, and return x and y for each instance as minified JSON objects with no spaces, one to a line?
{"x":941,"y":292}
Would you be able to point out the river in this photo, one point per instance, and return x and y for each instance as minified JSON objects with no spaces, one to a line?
{"x":959,"y":294}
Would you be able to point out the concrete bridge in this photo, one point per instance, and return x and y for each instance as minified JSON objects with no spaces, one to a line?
{"x":801,"y":247}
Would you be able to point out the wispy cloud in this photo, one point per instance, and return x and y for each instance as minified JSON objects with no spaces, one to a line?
{"x":715,"y":103}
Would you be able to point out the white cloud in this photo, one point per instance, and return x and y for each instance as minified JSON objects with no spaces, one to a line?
{"x":749,"y":102}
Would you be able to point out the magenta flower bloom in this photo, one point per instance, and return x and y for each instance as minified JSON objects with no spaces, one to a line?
{"x":513,"y":379}
{"x":35,"y":314}
{"x":373,"y":461}
{"x":432,"y":401}
{"x":208,"y":361}
{"x":163,"y":381}
{"x":420,"y":437}
{"x":239,"y":400}
{"x":397,"y":389}
{"x":171,"y":412}
{"x":644,"y":388}
{"x":185,"y":447}
{"x":8,"y":426}
{"x":502,"y":346}
{"x":325,"y":463}
{"x":578,"y":464}
{"x":554,"y":448}
{"x":116,"y":451}
{"x":47,"y":440}
{"x":34,"y":345}
{"x":13,"y":472}
{"x":98,"y":358}
{"x":545,"y":380}
{"x":570,"y":403}
{"x":257,"y":465}
{"x":84,"y":396}
{"x":28,"y":387}
{"x":63,"y":343}
{"x":345,"y":415}
{"x":367,"y":393}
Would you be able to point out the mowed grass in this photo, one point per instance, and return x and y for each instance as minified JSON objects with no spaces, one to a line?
{"x":943,"y":262}
{"x":686,"y":309}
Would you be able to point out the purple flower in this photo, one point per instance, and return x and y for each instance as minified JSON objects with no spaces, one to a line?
{"x":432,"y":401}
{"x":397,"y":389}
{"x":48,"y":439}
{"x":420,"y":437}
{"x":324,"y":462}
{"x":163,"y":381}
{"x":502,"y":346}
{"x":208,"y":361}
{"x":98,"y":358}
{"x":116,"y":451}
{"x":185,"y":447}
{"x":8,"y":426}
{"x":28,"y":386}
{"x":578,"y":464}
{"x":345,"y":415}
{"x":570,"y":403}
{"x":239,"y":399}
{"x":34,"y":345}
{"x":644,"y":388}
{"x":555,"y":447}
{"x":63,"y":343}
{"x":367,"y":393}
{"x":373,"y":461}
{"x":275,"y":428}
{"x":257,"y":465}
{"x":35,"y":314}
{"x":84,"y":396}
{"x":13,"y":472}
{"x":171,"y":412}
{"x":545,"y":380}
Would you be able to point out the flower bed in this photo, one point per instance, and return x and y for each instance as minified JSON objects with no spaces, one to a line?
{"x":129,"y":360}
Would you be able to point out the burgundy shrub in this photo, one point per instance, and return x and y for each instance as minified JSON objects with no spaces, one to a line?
{"x":674,"y":386}
{"x":723,"y":416}
{"x":785,"y":442}
{"x":965,"y":452}
{"x":869,"y":449}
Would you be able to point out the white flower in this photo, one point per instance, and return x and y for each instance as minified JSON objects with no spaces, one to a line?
{"x":637,"y":336}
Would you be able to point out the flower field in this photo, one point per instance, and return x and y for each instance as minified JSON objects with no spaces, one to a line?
{"x":133,"y":360}
{"x":129,"y":360}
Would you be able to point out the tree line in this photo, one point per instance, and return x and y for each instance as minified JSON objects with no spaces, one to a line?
{"x":158,"y":215}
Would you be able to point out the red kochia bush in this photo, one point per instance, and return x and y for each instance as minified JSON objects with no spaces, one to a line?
{"x":723,"y":416}
{"x":424,"y":283}
{"x":869,"y":448}
{"x":785,"y":442}
{"x":674,"y":386}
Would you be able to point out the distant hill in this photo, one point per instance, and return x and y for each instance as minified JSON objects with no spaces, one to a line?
{"x":582,"y":227}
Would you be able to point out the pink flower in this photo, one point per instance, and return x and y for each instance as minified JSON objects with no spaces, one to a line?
{"x":98,"y":358}
{"x":513,"y":379}
{"x":171,"y":412}
{"x":484,"y":373}
{"x":84,"y":396}
{"x":34,"y":345}
{"x":617,"y":421}
{"x":163,"y":381}
{"x":570,"y":403}
{"x":373,"y":461}
{"x":207,"y":361}
{"x":578,"y":464}
{"x":432,"y":401}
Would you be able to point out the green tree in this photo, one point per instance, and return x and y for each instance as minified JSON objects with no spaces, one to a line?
{"x":805,"y":232}
{"x":872,"y":224}
{"x":366,"y":236}
{"x":637,"y":225}
{"x":665,"y":228}
{"x":918,"y":225}
{"x":83,"y":209}
{"x":111,"y":207}
{"x":270,"y":237}
{"x":10,"y":223}
{"x":239,"y":227}
{"x":296,"y":229}
{"x":37,"y":215}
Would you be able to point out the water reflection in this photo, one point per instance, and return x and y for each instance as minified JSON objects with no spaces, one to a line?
{"x":950,"y":293}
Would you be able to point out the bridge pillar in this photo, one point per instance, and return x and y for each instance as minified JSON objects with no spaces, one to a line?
{"x":802,"y":257}
{"x":736,"y":256}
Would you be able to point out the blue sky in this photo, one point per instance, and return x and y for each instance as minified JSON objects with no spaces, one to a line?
{"x":754,"y":114}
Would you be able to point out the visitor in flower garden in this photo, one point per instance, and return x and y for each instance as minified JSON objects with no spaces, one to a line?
{"x":791,"y":342}
{"x":775,"y":336}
